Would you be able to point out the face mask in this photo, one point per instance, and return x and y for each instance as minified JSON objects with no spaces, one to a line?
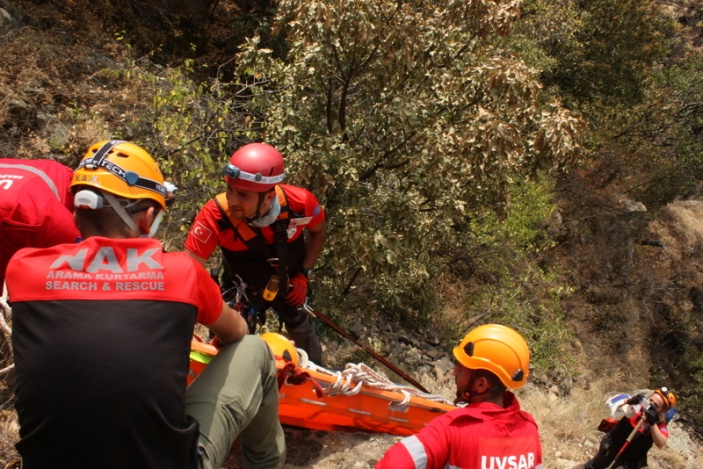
{"x":270,"y":217}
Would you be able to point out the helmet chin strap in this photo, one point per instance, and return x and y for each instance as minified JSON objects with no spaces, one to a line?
{"x":155,"y":224}
{"x":262,"y":197}
{"x":271,"y":214}
{"x":129,"y":221}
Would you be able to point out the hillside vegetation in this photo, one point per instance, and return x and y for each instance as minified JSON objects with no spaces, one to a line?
{"x":533,"y":163}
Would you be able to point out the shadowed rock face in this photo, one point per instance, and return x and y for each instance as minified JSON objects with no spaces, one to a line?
{"x":10,"y":17}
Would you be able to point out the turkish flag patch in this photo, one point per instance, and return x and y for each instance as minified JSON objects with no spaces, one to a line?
{"x":201,"y":232}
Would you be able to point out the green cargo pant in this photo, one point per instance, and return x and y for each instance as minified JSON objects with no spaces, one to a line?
{"x":237,"y":395}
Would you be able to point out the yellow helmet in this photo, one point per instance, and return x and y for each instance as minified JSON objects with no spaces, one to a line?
{"x":498,"y":349}
{"x":122,"y":169}
{"x":667,"y":395}
{"x":281,"y":347}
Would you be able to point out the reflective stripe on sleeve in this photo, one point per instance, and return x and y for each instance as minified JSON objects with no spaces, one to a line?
{"x":416,"y":450}
{"x":36,"y":171}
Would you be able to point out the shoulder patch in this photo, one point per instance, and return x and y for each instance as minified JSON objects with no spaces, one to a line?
{"x":201,"y":232}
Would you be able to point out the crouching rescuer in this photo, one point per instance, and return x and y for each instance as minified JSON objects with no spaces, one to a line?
{"x":270,"y":235}
{"x":489,"y":431}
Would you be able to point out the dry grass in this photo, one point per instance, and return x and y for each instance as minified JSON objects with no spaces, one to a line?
{"x":568,"y":427}
{"x":568,"y":424}
{"x":9,"y":428}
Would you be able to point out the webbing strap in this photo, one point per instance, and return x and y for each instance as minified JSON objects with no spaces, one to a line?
{"x":241,"y":229}
{"x":294,"y":375}
{"x":49,"y":182}
{"x":280,"y":229}
{"x":255,"y":241}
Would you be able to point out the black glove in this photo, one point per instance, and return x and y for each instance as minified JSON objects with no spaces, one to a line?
{"x":635,"y":399}
{"x":651,"y":415}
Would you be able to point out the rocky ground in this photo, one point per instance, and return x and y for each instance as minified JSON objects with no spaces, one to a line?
{"x":568,"y":422}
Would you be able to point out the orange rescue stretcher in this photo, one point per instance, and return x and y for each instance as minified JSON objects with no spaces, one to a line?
{"x":313,"y":397}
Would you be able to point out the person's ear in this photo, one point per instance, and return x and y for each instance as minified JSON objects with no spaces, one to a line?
{"x":144,"y":220}
{"x":481,"y":384}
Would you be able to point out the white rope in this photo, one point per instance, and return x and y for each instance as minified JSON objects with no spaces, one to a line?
{"x":7,"y":369}
{"x":6,"y":315}
{"x":6,"y":311}
{"x":354,"y":376}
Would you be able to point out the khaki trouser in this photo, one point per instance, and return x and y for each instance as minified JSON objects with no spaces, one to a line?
{"x":237,"y":395}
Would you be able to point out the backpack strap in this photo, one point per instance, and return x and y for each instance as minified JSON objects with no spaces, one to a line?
{"x":241,"y":229}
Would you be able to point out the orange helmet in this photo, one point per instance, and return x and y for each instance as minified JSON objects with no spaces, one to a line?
{"x":255,"y":167}
{"x":498,"y":349}
{"x":281,"y":347}
{"x":122,"y":169}
{"x":667,"y":395}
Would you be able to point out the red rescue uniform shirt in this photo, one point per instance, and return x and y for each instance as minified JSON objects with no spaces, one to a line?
{"x":101,"y":337}
{"x":206,"y":233}
{"x":480,"y":436}
{"x":36,"y":206}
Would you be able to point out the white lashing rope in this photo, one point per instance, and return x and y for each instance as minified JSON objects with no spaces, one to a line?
{"x":354,"y":376}
{"x":6,"y":314}
{"x":6,"y":311}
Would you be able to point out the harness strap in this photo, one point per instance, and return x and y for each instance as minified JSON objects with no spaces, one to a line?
{"x":255,"y":240}
{"x":240,"y":227}
{"x":280,"y":230}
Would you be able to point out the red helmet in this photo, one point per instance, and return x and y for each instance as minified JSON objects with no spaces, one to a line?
{"x":255,"y":167}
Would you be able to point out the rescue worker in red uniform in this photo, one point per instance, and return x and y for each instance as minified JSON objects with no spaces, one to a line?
{"x":101,"y":338}
{"x":627,"y":447}
{"x":491,"y":432}
{"x":270,"y":235}
{"x":36,"y":207}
